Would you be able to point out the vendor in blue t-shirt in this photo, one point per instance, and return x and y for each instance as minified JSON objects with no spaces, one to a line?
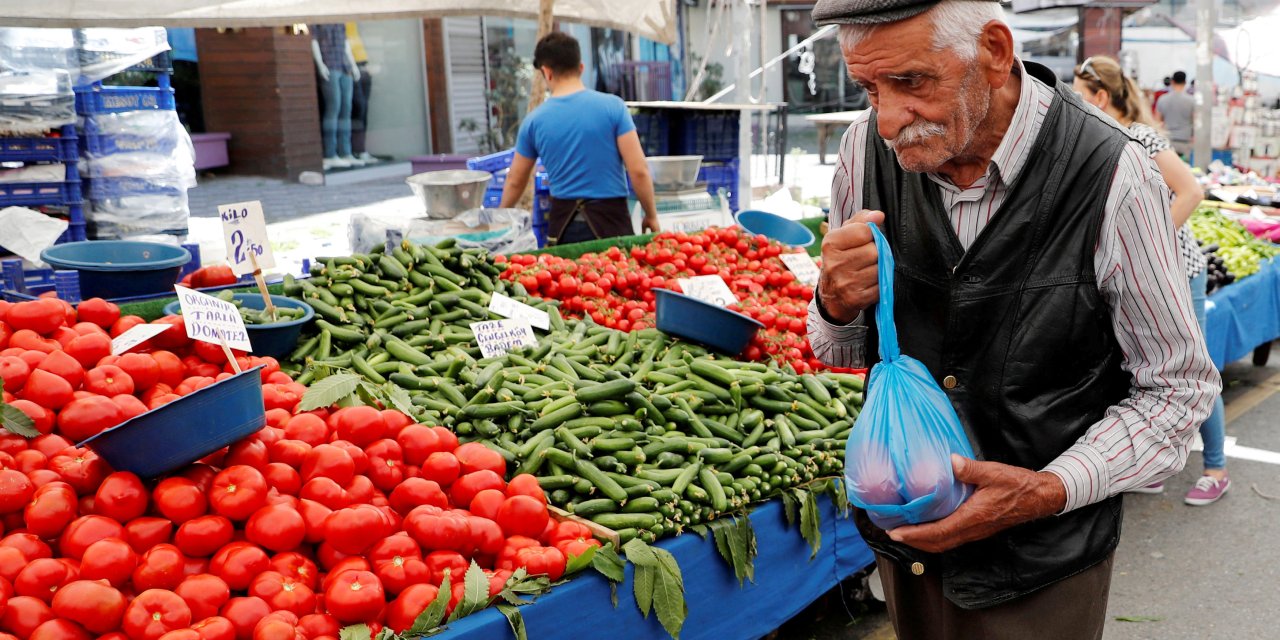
{"x":585,"y":139}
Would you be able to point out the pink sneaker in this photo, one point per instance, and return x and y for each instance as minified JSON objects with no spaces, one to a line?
{"x":1154,"y":487}
{"x":1207,"y":490}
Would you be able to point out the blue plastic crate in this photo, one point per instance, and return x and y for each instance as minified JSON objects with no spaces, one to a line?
{"x":31,"y":194}
{"x":493,"y":162}
{"x":654,"y":130}
{"x":712,"y":135}
{"x":39,"y":149}
{"x":492,"y":198}
{"x":99,"y":99}
{"x":105,"y":188}
{"x":721,"y":175}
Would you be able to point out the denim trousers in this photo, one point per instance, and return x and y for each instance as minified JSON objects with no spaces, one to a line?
{"x":1214,"y":430}
{"x":335,"y":121}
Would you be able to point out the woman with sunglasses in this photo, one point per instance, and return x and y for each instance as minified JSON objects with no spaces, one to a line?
{"x":1101,"y":82}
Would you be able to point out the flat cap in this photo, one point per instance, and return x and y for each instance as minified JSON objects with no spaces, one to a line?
{"x":827,"y":12}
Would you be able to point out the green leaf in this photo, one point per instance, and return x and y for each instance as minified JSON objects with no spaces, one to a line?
{"x":329,"y":391}
{"x":701,"y":529}
{"x":579,"y":562}
{"x":640,"y":553}
{"x":386,"y":634}
{"x":1138,"y":618}
{"x":609,"y":564}
{"x":613,"y":593}
{"x":520,"y":583}
{"x":475,"y":593}
{"x":742,"y":543}
{"x":642,"y":585}
{"x":355,"y":632}
{"x":840,"y":496}
{"x":789,"y":508}
{"x":515,"y":619}
{"x":721,"y":535}
{"x":433,"y":615}
{"x":398,"y":398}
{"x":809,"y":522}
{"x":668,"y":593}
{"x":17,"y":422}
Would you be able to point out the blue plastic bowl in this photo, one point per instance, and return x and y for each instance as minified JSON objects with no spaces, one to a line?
{"x":275,"y":340}
{"x":185,"y":430}
{"x":704,"y":323}
{"x":788,"y":232}
{"x":119,"y":268}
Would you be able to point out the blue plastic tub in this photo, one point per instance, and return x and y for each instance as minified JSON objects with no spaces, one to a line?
{"x":185,"y":430}
{"x":119,"y":268}
{"x":788,"y":232}
{"x":275,"y":340}
{"x":704,"y":323}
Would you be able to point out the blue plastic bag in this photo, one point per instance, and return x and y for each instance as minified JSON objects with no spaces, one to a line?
{"x":898,"y":458}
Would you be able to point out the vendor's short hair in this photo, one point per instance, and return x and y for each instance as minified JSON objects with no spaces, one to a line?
{"x":559,"y":52}
{"x":1179,"y":77}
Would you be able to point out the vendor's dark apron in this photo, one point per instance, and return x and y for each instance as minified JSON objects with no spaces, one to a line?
{"x":606,"y":218}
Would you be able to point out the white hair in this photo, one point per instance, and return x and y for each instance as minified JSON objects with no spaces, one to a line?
{"x":956,"y":26}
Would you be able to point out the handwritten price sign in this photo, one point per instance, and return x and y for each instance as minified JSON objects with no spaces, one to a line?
{"x":803,"y":266}
{"x":211,"y":319}
{"x":710,"y":289}
{"x":244,"y":228}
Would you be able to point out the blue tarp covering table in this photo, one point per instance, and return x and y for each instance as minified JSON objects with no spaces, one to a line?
{"x":786,"y":582}
{"x":1244,"y":315}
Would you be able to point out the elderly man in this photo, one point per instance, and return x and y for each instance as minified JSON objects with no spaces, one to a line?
{"x":1037,"y":279}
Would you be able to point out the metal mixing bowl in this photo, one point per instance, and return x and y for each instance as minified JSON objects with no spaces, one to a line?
{"x":445,"y":194}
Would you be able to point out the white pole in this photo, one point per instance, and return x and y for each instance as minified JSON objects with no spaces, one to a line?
{"x":1206,"y":18}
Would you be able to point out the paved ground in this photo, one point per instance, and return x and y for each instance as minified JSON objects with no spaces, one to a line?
{"x":1181,"y":573}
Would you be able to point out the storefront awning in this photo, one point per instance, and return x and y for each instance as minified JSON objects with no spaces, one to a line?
{"x":653,"y":19}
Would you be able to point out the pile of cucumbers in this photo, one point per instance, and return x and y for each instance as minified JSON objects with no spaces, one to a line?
{"x":639,"y":432}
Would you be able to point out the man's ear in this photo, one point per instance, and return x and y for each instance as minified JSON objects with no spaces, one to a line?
{"x":995,"y":53}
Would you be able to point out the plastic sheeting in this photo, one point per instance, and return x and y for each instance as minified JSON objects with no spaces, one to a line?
{"x":786,"y":582}
{"x":653,"y":19}
{"x":1243,"y":315}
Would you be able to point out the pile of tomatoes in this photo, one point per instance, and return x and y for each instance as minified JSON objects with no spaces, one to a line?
{"x":615,"y":287}
{"x":322,"y":519}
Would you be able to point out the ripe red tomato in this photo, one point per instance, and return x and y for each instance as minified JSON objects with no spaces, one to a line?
{"x":42,"y":578}
{"x":474,"y":456}
{"x":355,"y":596}
{"x":86,"y":417}
{"x":86,"y":530}
{"x":214,"y":628}
{"x":522,"y":516}
{"x":98,"y":311}
{"x":359,"y":425}
{"x":434,"y":528}
{"x":22,"y":614}
{"x":202,"y":537}
{"x":14,"y":372}
{"x":121,"y":497}
{"x":204,"y":593}
{"x":414,"y":492}
{"x":238,"y":491}
{"x":47,"y":390}
{"x":111,"y":559}
{"x":142,"y":369}
{"x":144,"y":533}
{"x":52,"y":508}
{"x":153,"y":613}
{"x":329,"y":461}
{"x":16,"y":490}
{"x":89,"y":348}
{"x":400,"y":572}
{"x":244,"y":614}
{"x":95,"y":606}
{"x":60,"y":629}
{"x":277,"y":527}
{"x":237,"y":564}
{"x":41,"y":316}
{"x":161,"y":567}
{"x":354,"y":529}
{"x":308,"y":428}
{"x":411,"y":602}
{"x":486,"y":503}
{"x":283,"y":592}
{"x":466,"y":488}
{"x":179,"y":499}
{"x":526,"y":485}
{"x":108,"y":380}
{"x":441,"y":467}
{"x":486,"y":536}
{"x":283,"y":478}
{"x":298,"y":566}
{"x":63,"y":365}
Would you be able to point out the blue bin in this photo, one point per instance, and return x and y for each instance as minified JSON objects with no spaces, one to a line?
{"x":185,"y":430}
{"x":704,"y":323}
{"x":275,"y":340}
{"x":788,"y":232}
{"x":119,"y":268}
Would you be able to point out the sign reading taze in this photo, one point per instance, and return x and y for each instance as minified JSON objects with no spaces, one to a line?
{"x":210,"y":319}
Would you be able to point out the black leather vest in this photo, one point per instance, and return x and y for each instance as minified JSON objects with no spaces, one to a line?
{"x":1019,"y":322}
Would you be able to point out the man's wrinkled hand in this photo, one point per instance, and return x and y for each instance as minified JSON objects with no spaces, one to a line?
{"x":650,"y":224}
{"x":1004,"y":496}
{"x":849,"y":283}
